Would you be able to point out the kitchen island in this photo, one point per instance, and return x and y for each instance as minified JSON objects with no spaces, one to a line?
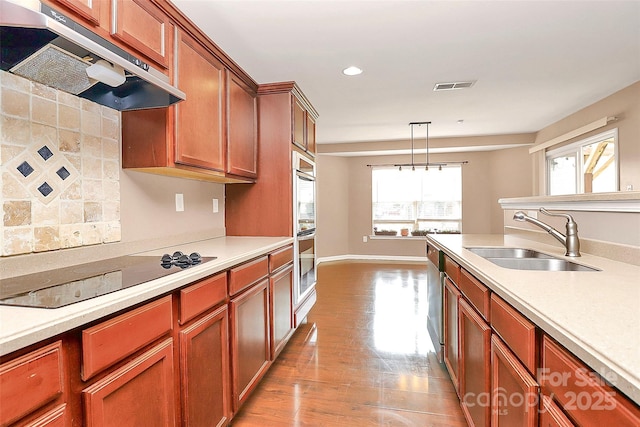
{"x":593,"y":314}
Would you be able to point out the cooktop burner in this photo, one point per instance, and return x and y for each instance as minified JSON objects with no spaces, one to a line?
{"x":64,"y":286}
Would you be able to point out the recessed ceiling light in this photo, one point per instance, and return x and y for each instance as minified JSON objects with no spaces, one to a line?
{"x":352,"y":71}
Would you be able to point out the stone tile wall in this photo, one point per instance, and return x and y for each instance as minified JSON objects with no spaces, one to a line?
{"x":60,"y":169}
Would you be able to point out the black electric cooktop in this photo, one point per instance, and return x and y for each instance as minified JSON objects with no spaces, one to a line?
{"x":64,"y":286}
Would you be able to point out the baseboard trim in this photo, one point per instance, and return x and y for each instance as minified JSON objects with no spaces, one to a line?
{"x":372,"y":258}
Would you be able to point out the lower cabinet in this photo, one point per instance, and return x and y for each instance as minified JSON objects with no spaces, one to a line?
{"x":551,"y":415}
{"x":281,"y":306}
{"x":475,"y":366}
{"x":204,"y":370}
{"x":140,"y":393}
{"x":508,"y":373}
{"x":514,"y":392}
{"x":451,"y":345}
{"x":250,"y":348}
{"x":32,"y":383}
{"x":586,"y":397}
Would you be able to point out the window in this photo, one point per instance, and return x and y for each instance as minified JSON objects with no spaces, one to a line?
{"x":586,"y":166}
{"x":417,"y":200}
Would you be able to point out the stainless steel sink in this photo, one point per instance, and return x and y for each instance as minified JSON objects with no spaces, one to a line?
{"x":527,"y":259}
{"x":540,"y":264}
{"x":500,"y":252}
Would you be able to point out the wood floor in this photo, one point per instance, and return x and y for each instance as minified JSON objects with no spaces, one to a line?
{"x":364,"y":358}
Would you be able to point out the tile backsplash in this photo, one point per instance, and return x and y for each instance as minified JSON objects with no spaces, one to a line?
{"x":60,"y":169}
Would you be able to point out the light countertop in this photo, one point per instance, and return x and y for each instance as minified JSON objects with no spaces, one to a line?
{"x":23,"y":326}
{"x":594,"y":314}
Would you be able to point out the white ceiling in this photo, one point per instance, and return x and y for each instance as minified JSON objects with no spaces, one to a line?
{"x":535,"y":62}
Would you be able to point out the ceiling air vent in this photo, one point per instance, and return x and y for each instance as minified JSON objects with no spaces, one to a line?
{"x":453,"y":85}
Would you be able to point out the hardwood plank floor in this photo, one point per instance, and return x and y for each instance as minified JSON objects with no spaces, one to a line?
{"x":364,"y":357}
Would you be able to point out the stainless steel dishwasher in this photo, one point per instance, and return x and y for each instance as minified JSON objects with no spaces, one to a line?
{"x":435,"y":287}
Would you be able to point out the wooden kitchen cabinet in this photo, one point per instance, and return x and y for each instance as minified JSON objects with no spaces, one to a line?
{"x":250,"y":335}
{"x":200,"y":119}
{"x":90,"y":10}
{"x":475,"y":365}
{"x":514,"y":392}
{"x":32,"y":382}
{"x":137,"y":26}
{"x":144,"y":27}
{"x":584,"y":395}
{"x":304,"y":124}
{"x":203,"y":339}
{"x":451,"y":341}
{"x":140,"y":393}
{"x":551,"y":415}
{"x":113,"y":340}
{"x":210,"y":136}
{"x":204,"y":370}
{"x":281,"y":309}
{"x":242,"y":144}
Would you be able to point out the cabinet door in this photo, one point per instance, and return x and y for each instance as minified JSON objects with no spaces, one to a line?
{"x":204,"y":371}
{"x":551,"y":415}
{"x":86,"y":9}
{"x":140,"y":393}
{"x":311,"y":134}
{"x":250,"y":355}
{"x":475,"y":366}
{"x":299,"y":123}
{"x":242,"y":144}
{"x":281,"y":294}
{"x":31,"y":382}
{"x":514,"y":393}
{"x":451,"y":343}
{"x":200,"y":118}
{"x":144,"y":27}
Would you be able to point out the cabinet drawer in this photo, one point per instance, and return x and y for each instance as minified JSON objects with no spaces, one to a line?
{"x":476,"y":293}
{"x":115,"y":339}
{"x":434,"y":255}
{"x":245,"y":275}
{"x":57,"y":417}
{"x":583,"y":394}
{"x":30,"y":381}
{"x":201,"y":296}
{"x":280,"y":258}
{"x":452,"y":269}
{"x":516,"y":331}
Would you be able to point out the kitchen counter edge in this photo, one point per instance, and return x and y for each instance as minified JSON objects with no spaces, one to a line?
{"x":24,"y":326}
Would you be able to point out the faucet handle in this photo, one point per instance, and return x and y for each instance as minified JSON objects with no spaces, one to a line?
{"x":564,"y":215}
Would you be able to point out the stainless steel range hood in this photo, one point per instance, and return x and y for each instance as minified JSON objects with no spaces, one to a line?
{"x":48,"y":47}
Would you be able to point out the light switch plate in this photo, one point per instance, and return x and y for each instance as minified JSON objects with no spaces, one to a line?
{"x":215,"y":206}
{"x":179,"y":202}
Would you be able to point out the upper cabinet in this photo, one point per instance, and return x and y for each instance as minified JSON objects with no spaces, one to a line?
{"x":304,"y":118}
{"x":211,"y":136}
{"x":144,"y":27}
{"x":138,"y":26}
{"x":242,"y":144}
{"x":200,"y":119}
{"x":89,"y":10}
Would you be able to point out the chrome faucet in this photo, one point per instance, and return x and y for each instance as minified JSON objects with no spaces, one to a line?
{"x":570,"y":241}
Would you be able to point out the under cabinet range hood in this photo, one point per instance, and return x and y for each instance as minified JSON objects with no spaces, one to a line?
{"x":48,"y":47}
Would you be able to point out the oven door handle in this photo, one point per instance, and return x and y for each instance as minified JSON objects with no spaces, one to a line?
{"x":305,"y":176}
{"x":307,"y":236}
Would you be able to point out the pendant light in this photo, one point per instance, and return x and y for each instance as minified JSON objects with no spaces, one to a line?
{"x":426,"y":165}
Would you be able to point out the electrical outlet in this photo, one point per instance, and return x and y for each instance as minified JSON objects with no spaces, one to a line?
{"x":179,"y":202}
{"x":215,"y":205}
{"x":364,"y":239}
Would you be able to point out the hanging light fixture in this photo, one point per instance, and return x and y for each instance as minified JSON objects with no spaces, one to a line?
{"x":426,"y":165}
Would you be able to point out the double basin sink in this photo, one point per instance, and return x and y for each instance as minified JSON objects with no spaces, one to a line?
{"x":527,"y":259}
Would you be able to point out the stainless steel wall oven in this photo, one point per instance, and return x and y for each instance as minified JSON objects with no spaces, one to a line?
{"x":304,"y":224}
